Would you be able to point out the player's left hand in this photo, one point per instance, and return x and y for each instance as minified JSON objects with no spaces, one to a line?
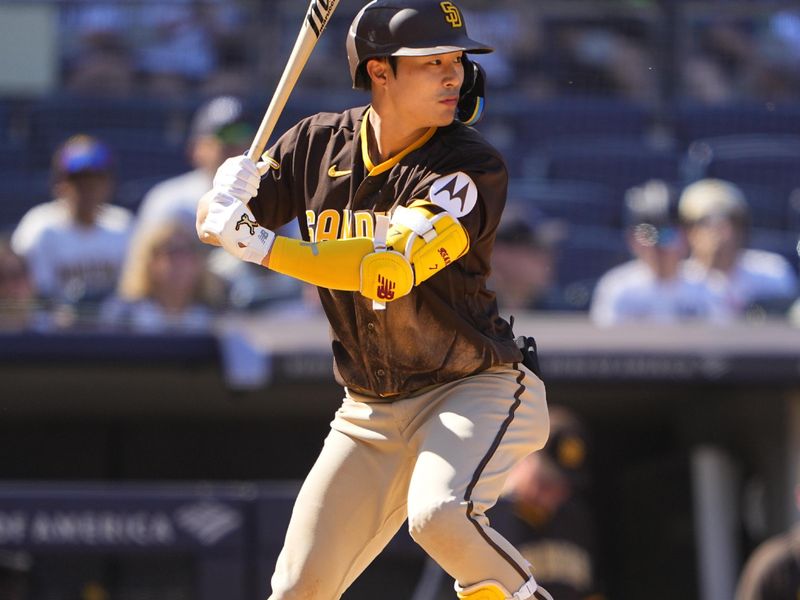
{"x":233,"y":225}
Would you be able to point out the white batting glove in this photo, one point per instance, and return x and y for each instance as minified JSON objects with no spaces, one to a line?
{"x":239,"y":177}
{"x":234,"y":225}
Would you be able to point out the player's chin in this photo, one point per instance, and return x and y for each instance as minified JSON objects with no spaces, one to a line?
{"x":445,"y":116}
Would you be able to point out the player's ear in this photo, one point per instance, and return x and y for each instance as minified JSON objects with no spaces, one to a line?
{"x":378,"y":71}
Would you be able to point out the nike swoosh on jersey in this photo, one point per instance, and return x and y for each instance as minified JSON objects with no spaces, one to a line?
{"x":332,"y":172}
{"x":273,"y":164}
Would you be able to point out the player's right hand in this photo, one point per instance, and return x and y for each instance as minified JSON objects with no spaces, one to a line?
{"x":239,"y":177}
{"x":231,"y":224}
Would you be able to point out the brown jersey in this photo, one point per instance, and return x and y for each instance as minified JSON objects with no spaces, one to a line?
{"x":448,"y":327}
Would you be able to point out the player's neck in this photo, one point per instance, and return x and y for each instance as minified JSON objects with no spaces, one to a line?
{"x":389,"y":137}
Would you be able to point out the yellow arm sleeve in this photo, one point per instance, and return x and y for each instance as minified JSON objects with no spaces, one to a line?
{"x":334,"y":264}
{"x":422,"y":240}
{"x":350,"y":265}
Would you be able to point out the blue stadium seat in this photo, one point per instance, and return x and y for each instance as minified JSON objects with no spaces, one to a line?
{"x":131,"y":192}
{"x":13,"y":156}
{"x":585,"y":117}
{"x":693,"y":122}
{"x":54,"y":119}
{"x":515,"y":125}
{"x":767,"y":167}
{"x":768,"y":206}
{"x":302,"y":104}
{"x":794,"y":211}
{"x":785,"y":243}
{"x":579,"y":202}
{"x":583,"y":257}
{"x":139,"y":154}
{"x":617,"y":162}
{"x":19,"y":191}
{"x":5,"y":119}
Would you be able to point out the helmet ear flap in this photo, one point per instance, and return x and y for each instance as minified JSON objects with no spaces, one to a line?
{"x":471,"y":101}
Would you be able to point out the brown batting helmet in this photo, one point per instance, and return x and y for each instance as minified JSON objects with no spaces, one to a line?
{"x":406,"y":28}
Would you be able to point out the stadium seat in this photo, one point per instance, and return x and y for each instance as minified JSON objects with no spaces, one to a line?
{"x":20,"y":191}
{"x":617,"y":162}
{"x":138,"y":154}
{"x":5,"y":117}
{"x":785,"y":243}
{"x":585,"y":117}
{"x":794,"y":211}
{"x":54,"y":119}
{"x":515,"y":125}
{"x":13,"y":156}
{"x":767,"y":167}
{"x":584,"y":256}
{"x":131,"y":192}
{"x":768,"y":206}
{"x":577,"y":202}
{"x":693,"y":121}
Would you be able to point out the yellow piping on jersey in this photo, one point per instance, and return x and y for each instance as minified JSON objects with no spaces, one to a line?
{"x":387,"y":164}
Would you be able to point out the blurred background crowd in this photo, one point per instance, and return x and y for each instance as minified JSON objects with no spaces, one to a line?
{"x":606,"y":112}
{"x":653,"y":149}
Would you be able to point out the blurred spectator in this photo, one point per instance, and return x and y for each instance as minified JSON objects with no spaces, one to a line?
{"x":98,"y":57}
{"x":609,"y":59}
{"x":523,"y":263}
{"x":717,"y":218}
{"x":218,"y":130}
{"x":165,"y":285}
{"x":753,"y":58}
{"x":234,"y":74}
{"x":17,"y":296}
{"x":655,"y":286}
{"x":772,"y":572}
{"x":75,"y":244}
{"x":14,"y":575}
{"x":179,"y":52}
{"x":544,"y":512}
{"x":705,"y":82}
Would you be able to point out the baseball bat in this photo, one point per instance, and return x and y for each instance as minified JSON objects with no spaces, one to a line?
{"x":319,"y":12}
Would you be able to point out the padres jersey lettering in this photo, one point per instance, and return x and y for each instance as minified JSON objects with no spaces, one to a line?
{"x":448,"y":327}
{"x":352,"y":225}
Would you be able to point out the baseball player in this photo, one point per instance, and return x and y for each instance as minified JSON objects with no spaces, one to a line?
{"x":398,"y":203}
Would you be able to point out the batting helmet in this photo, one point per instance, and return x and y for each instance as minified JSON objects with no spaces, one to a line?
{"x":416,"y":28}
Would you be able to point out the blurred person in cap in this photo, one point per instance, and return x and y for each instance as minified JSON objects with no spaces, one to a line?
{"x":655,"y":286}
{"x":523,"y":262}
{"x":544,"y":513}
{"x":717,"y":219}
{"x":165,"y":284}
{"x":75,"y":244}
{"x":218,"y":130}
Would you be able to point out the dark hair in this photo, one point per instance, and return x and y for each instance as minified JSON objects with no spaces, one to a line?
{"x":363,"y":81}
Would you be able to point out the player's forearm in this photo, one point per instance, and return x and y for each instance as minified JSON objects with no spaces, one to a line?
{"x":422,"y":240}
{"x":333,"y":264}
